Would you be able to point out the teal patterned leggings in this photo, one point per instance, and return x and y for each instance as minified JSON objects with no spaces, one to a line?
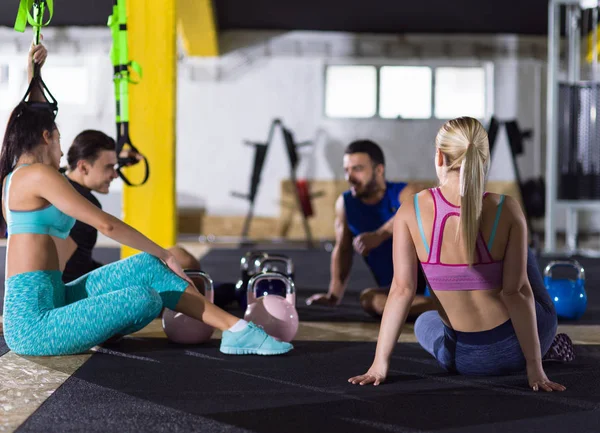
{"x":43,"y":316}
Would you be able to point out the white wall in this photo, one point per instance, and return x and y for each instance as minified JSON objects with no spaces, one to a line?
{"x":264,"y":75}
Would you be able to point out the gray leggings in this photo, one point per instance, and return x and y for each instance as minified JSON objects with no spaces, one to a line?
{"x":492,"y":352}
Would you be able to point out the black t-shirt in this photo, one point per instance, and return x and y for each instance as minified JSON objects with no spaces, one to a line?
{"x":85,"y":236}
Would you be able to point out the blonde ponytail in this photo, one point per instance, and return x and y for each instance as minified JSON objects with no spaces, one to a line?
{"x":465,"y":146}
{"x":472,"y":183}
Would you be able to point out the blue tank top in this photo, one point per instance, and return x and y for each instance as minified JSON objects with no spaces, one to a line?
{"x":363,"y":218}
{"x":45,"y":221}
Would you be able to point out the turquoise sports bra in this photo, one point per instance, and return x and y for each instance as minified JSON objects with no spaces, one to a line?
{"x":45,"y":221}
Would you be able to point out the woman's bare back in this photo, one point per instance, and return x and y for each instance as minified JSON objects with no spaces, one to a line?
{"x":465,"y":310}
{"x":27,"y":252}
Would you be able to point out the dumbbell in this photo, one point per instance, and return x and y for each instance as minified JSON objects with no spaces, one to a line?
{"x":568,"y":295}
{"x":247,"y":269}
{"x":275,"y":313}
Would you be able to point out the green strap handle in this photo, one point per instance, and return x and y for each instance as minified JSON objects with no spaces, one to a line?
{"x":37,"y":22}
{"x":24,"y":16}
{"x":122,"y":71}
{"x":137,"y":68}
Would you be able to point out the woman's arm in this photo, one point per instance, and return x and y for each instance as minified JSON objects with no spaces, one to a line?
{"x":518,"y":298}
{"x":37,"y":55}
{"x":516,"y":291}
{"x":402,"y":293}
{"x":51,"y":186}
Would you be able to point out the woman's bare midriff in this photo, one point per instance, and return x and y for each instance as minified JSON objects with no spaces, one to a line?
{"x":472,"y":310}
{"x":28,"y":252}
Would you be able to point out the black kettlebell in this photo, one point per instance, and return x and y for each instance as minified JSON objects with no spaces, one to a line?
{"x":275,"y":263}
{"x":247,"y":269}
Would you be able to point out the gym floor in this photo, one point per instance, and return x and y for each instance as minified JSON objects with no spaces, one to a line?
{"x":145,"y":383}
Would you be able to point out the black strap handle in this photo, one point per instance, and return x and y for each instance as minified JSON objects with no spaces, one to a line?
{"x":122,"y":141}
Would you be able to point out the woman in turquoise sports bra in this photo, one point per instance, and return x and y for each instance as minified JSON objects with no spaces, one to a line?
{"x":492,"y":318}
{"x":42,"y":315}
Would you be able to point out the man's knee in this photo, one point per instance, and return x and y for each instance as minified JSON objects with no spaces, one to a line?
{"x":373,"y":301}
{"x":184,"y":258}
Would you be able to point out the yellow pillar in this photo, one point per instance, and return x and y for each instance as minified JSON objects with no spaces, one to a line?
{"x":151,"y":208}
{"x":197,"y":27}
{"x":590,"y":43}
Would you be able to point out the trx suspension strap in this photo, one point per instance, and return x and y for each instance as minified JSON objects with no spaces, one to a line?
{"x":119,"y":55}
{"x":36,"y":20}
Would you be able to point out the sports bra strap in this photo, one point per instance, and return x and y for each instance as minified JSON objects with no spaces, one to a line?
{"x":418,"y":212}
{"x":7,"y":186}
{"x":495,"y":226}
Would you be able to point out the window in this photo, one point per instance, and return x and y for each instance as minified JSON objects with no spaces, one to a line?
{"x":459,"y":92}
{"x":351,"y":91}
{"x":405,"y":92}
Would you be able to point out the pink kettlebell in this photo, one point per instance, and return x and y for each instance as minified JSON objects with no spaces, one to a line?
{"x":276,"y":314}
{"x":183,"y":329}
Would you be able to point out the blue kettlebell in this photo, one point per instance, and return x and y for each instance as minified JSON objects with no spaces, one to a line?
{"x":569,"y":297}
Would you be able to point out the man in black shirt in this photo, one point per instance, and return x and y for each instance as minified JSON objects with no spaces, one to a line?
{"x":91,"y":163}
{"x":85,"y":237}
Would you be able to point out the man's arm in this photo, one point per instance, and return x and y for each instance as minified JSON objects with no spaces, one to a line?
{"x":341,"y":257}
{"x":366,"y":242}
{"x":341,"y":260}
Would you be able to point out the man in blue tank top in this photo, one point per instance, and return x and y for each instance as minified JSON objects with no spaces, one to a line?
{"x":364,"y":223}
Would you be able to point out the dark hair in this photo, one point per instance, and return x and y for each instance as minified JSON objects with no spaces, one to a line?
{"x":24,"y":131}
{"x":87,"y":147}
{"x":369,"y":147}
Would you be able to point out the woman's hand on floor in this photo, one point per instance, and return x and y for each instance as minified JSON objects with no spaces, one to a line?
{"x":539,"y":381}
{"x":375,"y":375}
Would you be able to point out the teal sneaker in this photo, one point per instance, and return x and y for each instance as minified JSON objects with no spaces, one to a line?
{"x":252,"y":341}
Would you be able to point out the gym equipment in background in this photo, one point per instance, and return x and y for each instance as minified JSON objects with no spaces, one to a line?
{"x":579,"y":142}
{"x":36,"y":20}
{"x":248,"y":269}
{"x":533,"y":190}
{"x":572,"y":131}
{"x":568,"y":295}
{"x":119,"y":54}
{"x":302,"y":190}
{"x":275,"y":313}
{"x":275,"y":263}
{"x":255,"y":262}
{"x":183,"y":329}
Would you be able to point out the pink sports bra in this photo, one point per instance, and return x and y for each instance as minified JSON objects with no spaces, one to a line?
{"x":486,"y":274}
